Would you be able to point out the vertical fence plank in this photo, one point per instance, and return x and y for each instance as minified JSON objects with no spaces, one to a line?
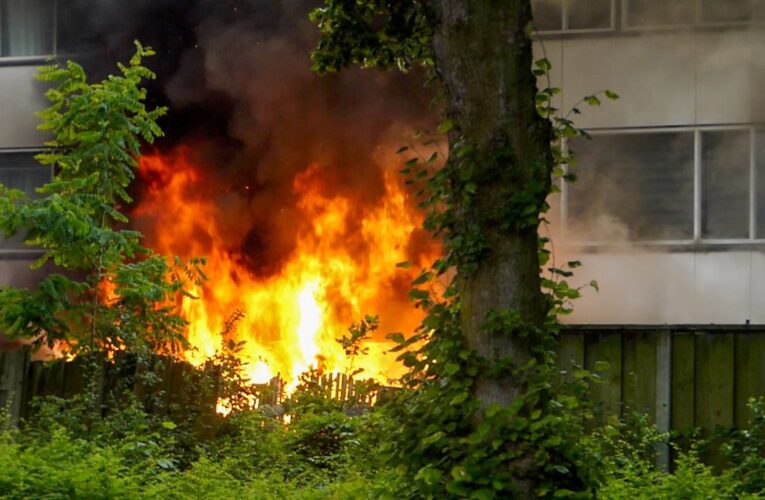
{"x":570,"y":350}
{"x":714,"y":387}
{"x":749,"y":373}
{"x":639,"y":372}
{"x":606,"y":347}
{"x":683,"y":378}
{"x":12,"y":369}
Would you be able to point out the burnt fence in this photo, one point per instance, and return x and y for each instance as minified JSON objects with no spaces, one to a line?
{"x":175,"y":385}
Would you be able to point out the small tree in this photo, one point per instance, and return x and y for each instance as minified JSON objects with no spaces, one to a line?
{"x":107,"y":292}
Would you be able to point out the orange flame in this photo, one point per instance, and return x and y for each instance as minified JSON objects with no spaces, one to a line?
{"x":331,"y":279}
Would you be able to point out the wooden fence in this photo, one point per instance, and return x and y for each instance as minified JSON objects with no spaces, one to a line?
{"x":179,"y":385}
{"x":683,"y":377}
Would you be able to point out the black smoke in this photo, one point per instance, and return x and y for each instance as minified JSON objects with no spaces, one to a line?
{"x":236,"y":76}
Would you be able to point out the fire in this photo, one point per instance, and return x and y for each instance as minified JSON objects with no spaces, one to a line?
{"x":341,"y":266}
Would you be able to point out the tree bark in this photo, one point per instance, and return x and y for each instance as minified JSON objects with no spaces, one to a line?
{"x":484,"y":58}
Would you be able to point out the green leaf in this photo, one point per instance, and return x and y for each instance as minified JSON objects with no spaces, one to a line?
{"x":602,"y":366}
{"x":445,"y":126}
{"x":169,"y":425}
{"x":451,"y":368}
{"x":592,"y":100}
{"x":459,"y":473}
{"x":459,"y":398}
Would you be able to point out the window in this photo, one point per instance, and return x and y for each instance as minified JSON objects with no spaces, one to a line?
{"x":668,"y":185}
{"x":728,"y":11}
{"x":26,"y":27}
{"x":573,"y":15}
{"x":21,"y":171}
{"x":548,"y":15}
{"x":589,"y":14}
{"x":650,"y":13}
{"x":641,"y":13}
{"x":632,"y":186}
{"x":725,"y":179}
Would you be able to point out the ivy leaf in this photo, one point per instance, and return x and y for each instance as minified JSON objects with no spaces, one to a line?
{"x":445,"y":126}
{"x":459,"y":398}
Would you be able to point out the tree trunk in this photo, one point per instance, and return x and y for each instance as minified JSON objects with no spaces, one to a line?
{"x":483,"y":55}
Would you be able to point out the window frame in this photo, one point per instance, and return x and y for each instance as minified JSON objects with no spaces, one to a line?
{"x":697,"y":239}
{"x":24,"y":250}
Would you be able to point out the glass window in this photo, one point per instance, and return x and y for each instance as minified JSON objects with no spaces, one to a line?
{"x":659,"y":13}
{"x":21,"y":171}
{"x":589,"y":14}
{"x":632,"y":186}
{"x":728,"y":11}
{"x":548,"y":14}
{"x":725,"y":184}
{"x":26,"y":27}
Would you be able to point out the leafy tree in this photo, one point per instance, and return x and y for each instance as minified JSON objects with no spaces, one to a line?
{"x":107,"y":293}
{"x":488,"y":420}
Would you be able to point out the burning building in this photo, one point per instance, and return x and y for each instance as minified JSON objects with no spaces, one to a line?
{"x":287,"y":181}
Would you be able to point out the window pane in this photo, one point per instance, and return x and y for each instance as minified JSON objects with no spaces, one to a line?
{"x":27,"y":27}
{"x":729,"y":11}
{"x":589,"y":14}
{"x":21,"y":171}
{"x":632,"y":186}
{"x":653,"y":13}
{"x":548,"y":14}
{"x":725,"y":181}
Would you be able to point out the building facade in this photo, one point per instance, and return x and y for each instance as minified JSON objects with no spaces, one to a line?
{"x":668,"y":211}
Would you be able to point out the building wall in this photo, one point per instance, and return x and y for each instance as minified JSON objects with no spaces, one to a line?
{"x":697,"y":79}
{"x":27,"y":40}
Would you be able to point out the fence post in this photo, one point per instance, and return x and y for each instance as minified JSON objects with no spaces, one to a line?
{"x":663,"y":394}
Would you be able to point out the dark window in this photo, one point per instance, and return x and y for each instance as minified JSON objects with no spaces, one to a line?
{"x":725,"y":181}
{"x":589,"y":14}
{"x":548,"y":14}
{"x":632,"y":186}
{"x":659,"y":13}
{"x":26,"y":27}
{"x":727,"y":11}
{"x":76,"y":31}
{"x":21,"y":171}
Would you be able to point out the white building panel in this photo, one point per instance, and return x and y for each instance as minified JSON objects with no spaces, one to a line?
{"x":654,"y":75}
{"x":723,"y":77}
{"x":21,"y":95}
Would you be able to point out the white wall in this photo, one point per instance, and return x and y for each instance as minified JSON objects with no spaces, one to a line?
{"x":20,"y":97}
{"x":664,"y":78}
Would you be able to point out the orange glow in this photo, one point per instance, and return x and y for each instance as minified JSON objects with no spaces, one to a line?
{"x":341,"y":266}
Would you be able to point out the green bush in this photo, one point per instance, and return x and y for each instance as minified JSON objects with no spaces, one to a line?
{"x":63,"y":467}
